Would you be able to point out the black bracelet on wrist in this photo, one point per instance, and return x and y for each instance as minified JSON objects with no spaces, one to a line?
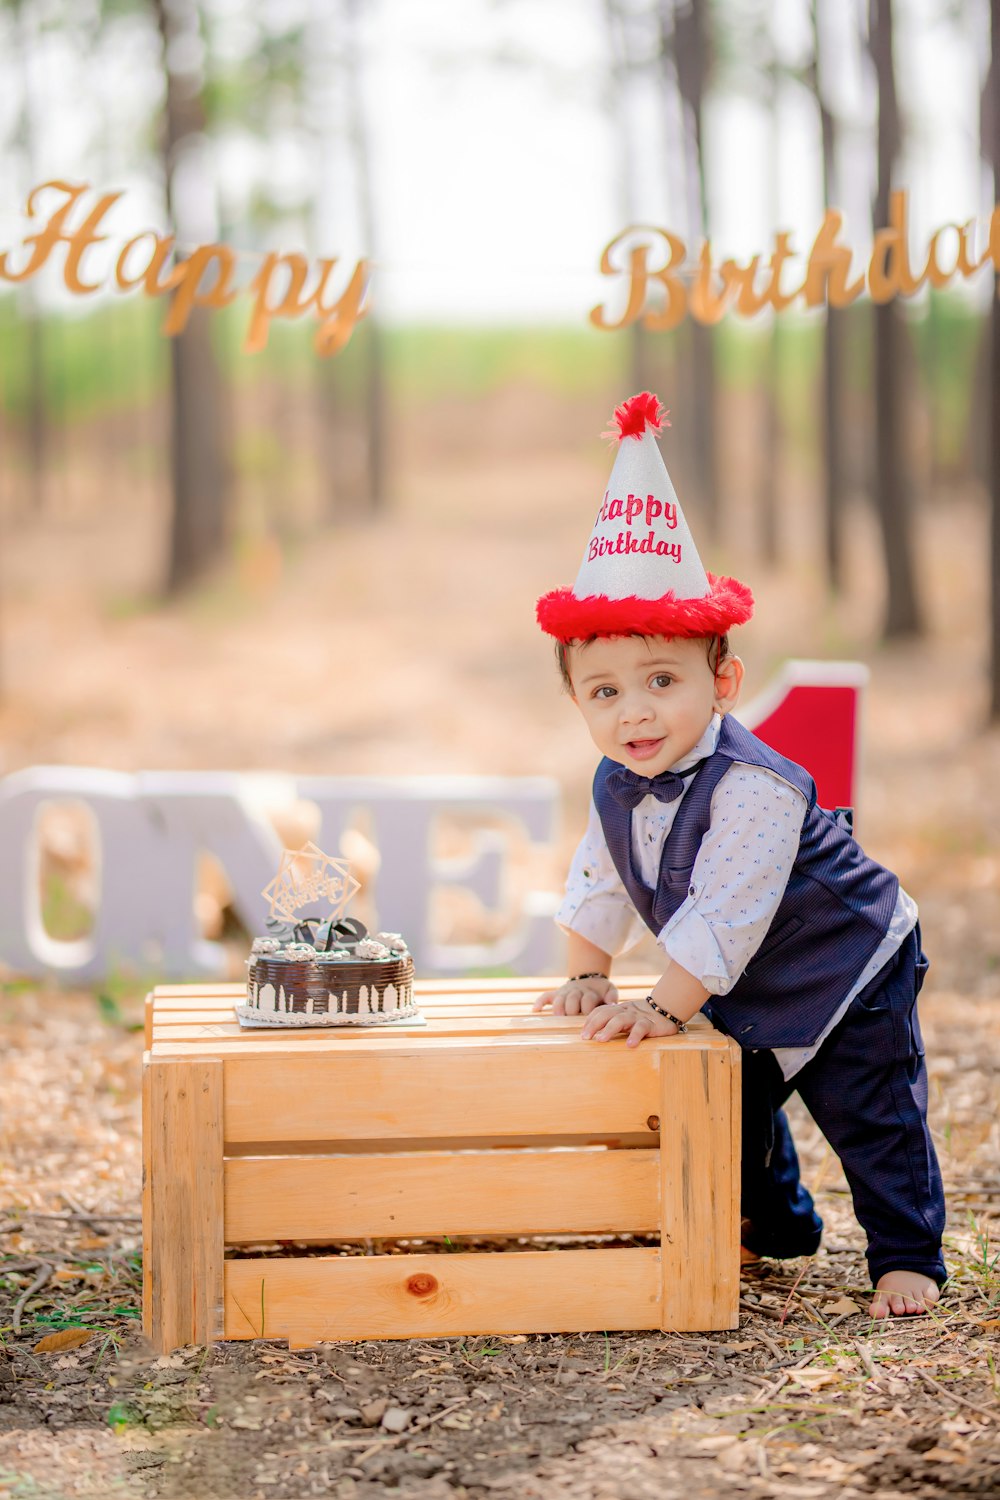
{"x":681,"y":1025}
{"x":574,"y":977}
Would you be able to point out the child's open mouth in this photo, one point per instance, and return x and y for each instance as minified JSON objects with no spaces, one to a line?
{"x":643,"y":749}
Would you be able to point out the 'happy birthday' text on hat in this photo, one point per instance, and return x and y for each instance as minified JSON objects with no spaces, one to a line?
{"x":641,"y":573}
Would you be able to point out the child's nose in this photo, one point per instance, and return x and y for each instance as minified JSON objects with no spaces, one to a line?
{"x":635,"y":708}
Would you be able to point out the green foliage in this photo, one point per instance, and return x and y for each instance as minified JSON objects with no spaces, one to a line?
{"x":123,"y":989}
{"x":64,"y":917}
{"x":112,"y":1014}
{"x":985,"y":1261}
{"x":428,"y":362}
{"x":947,"y":341}
{"x":113,"y":362}
{"x":121,"y":1416}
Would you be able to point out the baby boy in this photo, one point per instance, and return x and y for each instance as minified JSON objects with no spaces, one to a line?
{"x":770,"y":918}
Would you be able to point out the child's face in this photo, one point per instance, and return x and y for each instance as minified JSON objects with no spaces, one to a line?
{"x":647,"y":700}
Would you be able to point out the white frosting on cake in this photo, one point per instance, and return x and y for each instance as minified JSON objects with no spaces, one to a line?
{"x":319,"y":990}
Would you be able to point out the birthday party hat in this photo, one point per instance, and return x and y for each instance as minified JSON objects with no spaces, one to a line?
{"x":641,"y":573}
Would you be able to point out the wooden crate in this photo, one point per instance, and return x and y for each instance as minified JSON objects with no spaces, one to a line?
{"x":488,"y":1121}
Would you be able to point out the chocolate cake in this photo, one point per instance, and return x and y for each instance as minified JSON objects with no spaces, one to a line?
{"x":335,"y":976}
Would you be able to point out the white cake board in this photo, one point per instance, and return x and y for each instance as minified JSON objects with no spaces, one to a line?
{"x":257,"y":1022}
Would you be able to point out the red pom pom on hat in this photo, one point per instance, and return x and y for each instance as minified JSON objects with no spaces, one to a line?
{"x":641,"y":573}
{"x":637,"y":415}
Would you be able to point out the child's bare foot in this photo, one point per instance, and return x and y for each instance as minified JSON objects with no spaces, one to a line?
{"x":903,"y":1294}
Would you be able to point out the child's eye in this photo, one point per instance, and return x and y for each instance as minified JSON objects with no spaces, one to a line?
{"x":604,"y":692}
{"x":662,"y":680}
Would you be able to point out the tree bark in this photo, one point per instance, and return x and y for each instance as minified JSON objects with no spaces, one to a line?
{"x":892,"y":480}
{"x":691,"y":52}
{"x":993,"y":150}
{"x":834,"y":480}
{"x":621,"y":71}
{"x":37,"y":415}
{"x":771,"y":478}
{"x":375,"y":383}
{"x":198,"y":463}
{"x":771,"y":471}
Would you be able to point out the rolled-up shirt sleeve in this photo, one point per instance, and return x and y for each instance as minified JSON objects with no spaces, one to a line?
{"x":738,"y":877}
{"x":596,"y":904}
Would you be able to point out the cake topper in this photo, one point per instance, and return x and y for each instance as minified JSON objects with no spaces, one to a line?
{"x":322,"y":877}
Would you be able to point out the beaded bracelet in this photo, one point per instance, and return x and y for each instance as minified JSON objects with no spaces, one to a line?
{"x":574,"y":977}
{"x":681,"y":1025}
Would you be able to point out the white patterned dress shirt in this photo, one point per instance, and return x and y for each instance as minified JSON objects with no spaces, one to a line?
{"x":737,"y":882}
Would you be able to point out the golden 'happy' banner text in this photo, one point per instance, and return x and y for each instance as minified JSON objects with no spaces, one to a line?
{"x":284,"y":285}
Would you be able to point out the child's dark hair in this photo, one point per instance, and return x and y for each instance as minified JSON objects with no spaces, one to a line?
{"x":716,"y":649}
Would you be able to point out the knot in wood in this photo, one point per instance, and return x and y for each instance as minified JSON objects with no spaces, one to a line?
{"x":653,"y":1122}
{"x":422,"y":1285}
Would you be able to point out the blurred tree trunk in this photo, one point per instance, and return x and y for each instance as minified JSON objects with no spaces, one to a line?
{"x":834,"y":437}
{"x":36,"y":413}
{"x":770,"y":478}
{"x":892,"y":478}
{"x":621,"y":73}
{"x":977,"y":428}
{"x":691,"y":42}
{"x":375,"y":383}
{"x":198,"y":466}
{"x":991,"y":144}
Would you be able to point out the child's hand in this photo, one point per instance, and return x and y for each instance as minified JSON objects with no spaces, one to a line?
{"x":578,"y":997}
{"x":613,"y":1020}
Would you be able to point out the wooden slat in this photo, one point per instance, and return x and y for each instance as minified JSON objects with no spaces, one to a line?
{"x":183,"y":1202}
{"x":619,"y":1141}
{"x":176,"y":1012}
{"x":453,"y":1026}
{"x":386,"y":1042}
{"x":424,"y":988}
{"x":436,"y":1193}
{"x":522,"y":984}
{"x":700,"y":1190}
{"x":225,"y":1038}
{"x":308,"y":1299}
{"x":484,"y":1009}
{"x":330,"y":1041}
{"x":451,"y":1089}
{"x":190,"y":1027}
{"x":441,"y":990}
{"x":183,"y":998}
{"x":204,"y":987}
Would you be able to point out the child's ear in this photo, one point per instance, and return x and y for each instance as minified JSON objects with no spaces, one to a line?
{"x":728,"y":682}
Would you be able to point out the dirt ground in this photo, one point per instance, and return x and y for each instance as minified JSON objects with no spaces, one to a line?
{"x":408,"y":646}
{"x":808,"y":1398}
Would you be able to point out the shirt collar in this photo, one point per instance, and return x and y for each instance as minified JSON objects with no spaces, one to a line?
{"x":706,"y":745}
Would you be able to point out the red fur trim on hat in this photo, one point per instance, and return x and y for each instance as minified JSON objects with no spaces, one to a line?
{"x":637,"y":414}
{"x":568,"y":618}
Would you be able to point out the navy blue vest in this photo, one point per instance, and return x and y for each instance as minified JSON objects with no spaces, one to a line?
{"x":835,"y":911}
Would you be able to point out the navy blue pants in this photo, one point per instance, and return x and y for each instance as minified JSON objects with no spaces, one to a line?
{"x":866,"y":1088}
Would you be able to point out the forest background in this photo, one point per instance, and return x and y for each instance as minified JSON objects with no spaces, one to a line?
{"x":298,"y":511}
{"x":279,"y":562}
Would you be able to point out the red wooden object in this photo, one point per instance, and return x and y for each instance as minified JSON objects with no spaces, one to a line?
{"x":812,"y":714}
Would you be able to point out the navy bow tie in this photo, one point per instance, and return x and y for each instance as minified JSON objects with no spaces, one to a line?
{"x":628,"y":789}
